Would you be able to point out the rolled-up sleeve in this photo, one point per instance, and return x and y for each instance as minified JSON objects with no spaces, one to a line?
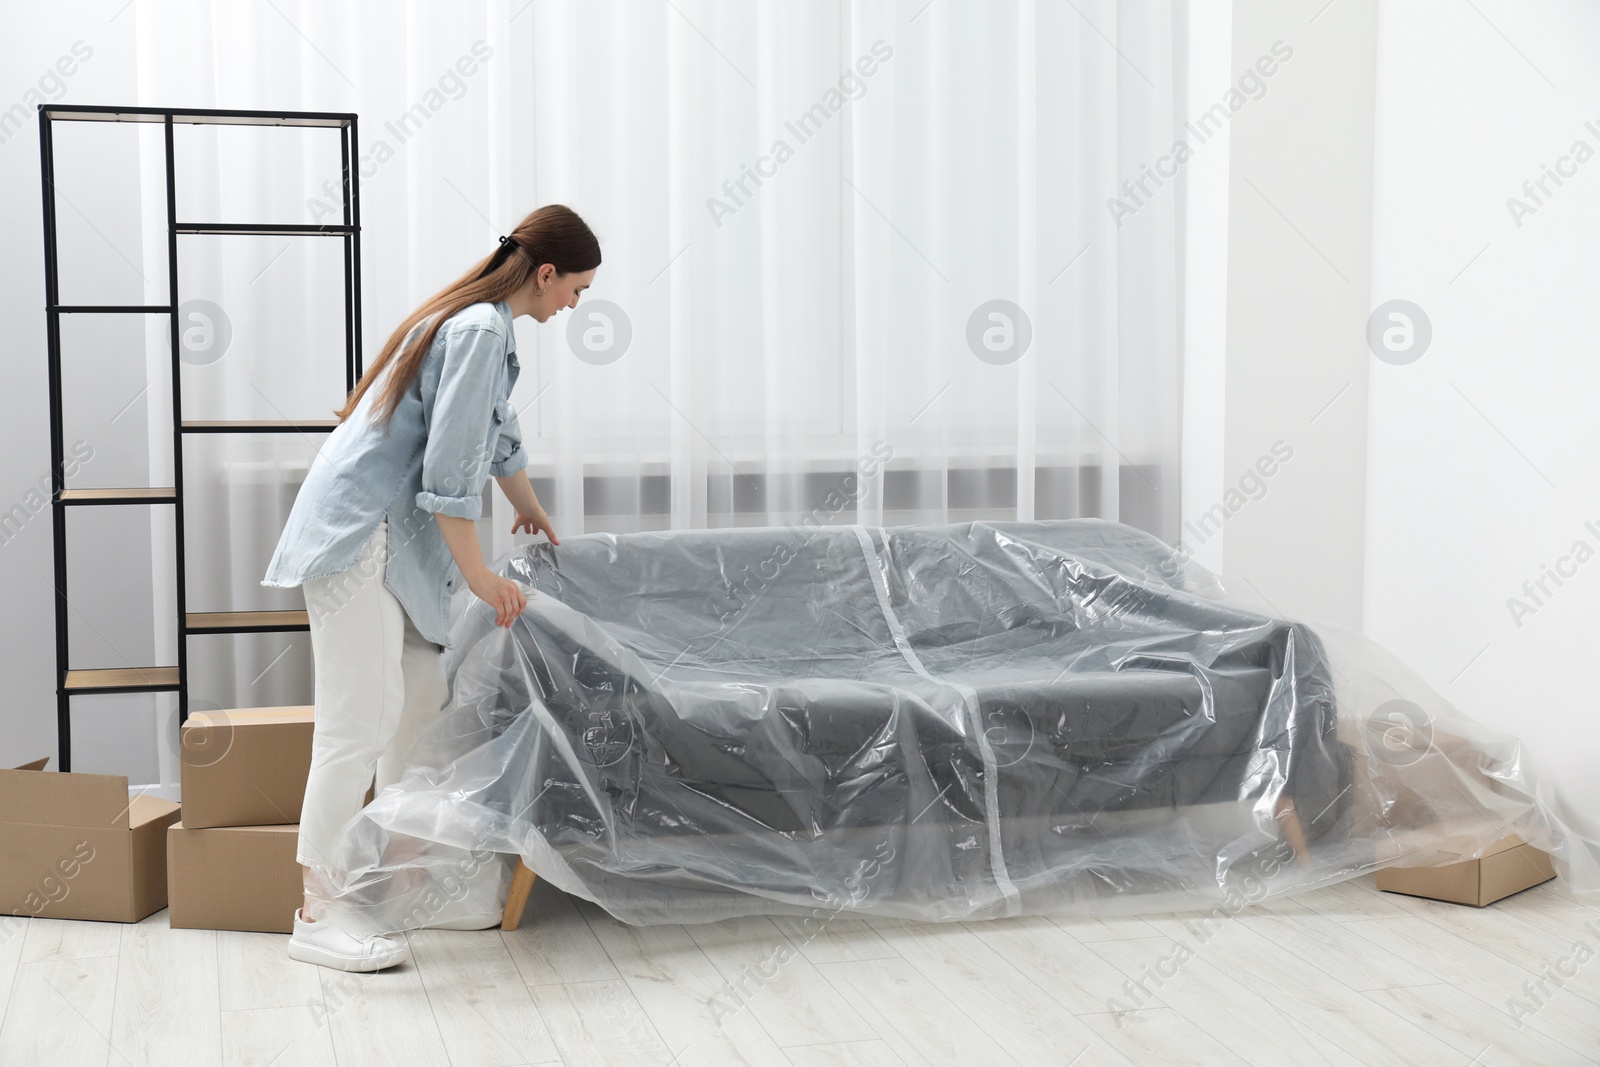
{"x":459,"y":417}
{"x":509,"y":457}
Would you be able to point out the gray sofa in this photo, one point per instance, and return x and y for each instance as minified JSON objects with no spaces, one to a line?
{"x":938,"y":721}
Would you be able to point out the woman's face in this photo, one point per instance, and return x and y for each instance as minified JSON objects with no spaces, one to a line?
{"x":560,"y":291}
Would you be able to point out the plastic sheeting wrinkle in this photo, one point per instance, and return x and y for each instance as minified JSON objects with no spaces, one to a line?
{"x":969,"y":698}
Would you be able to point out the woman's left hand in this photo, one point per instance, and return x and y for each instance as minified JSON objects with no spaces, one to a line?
{"x":534,"y":523}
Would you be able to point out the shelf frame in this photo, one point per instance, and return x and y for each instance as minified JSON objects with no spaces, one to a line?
{"x":175,"y":677}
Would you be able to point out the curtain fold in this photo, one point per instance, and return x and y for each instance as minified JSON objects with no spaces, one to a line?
{"x":829,"y":229}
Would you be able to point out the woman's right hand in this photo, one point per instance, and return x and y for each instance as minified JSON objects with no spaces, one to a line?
{"x":502,"y":594}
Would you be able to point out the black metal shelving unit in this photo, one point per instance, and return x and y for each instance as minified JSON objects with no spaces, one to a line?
{"x":175,"y":677}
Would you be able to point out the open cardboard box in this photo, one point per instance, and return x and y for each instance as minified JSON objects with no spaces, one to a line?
{"x":76,"y":846}
{"x":1478,"y":876}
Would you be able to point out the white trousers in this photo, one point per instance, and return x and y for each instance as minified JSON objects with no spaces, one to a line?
{"x":378,"y":684}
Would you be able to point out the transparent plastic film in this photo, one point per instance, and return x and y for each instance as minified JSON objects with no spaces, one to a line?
{"x":936,"y":722}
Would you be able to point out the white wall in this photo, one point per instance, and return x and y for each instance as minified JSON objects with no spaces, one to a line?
{"x":1482,"y":454}
{"x":1421,"y":496}
{"x":1299,"y":212}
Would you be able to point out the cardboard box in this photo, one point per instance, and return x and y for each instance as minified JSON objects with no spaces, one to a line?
{"x":75,"y":846}
{"x":233,"y":878}
{"x":1482,"y":877}
{"x":246,"y":766}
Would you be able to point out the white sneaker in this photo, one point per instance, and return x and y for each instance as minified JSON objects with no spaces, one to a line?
{"x":324,"y":943}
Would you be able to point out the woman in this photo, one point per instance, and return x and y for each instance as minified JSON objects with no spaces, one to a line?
{"x":382,"y":529}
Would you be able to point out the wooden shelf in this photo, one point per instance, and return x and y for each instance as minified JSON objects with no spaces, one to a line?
{"x":291,"y":229}
{"x":127,"y":495}
{"x":196,"y":116}
{"x":111,"y":309}
{"x":258,"y":425}
{"x":122,"y":679}
{"x":245,"y":622}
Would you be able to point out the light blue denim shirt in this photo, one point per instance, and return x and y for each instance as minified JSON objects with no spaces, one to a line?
{"x":453,"y":427}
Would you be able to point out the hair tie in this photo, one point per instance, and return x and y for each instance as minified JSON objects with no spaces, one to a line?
{"x":506,"y":241}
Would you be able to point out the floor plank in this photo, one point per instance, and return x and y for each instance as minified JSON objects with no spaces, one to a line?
{"x":71,"y":939}
{"x":1553,"y":913}
{"x":701,"y":1016}
{"x":1498,"y":983}
{"x":60,"y":1013}
{"x":918,"y":1021}
{"x":833,"y":939}
{"x":13,"y":933}
{"x":1341,"y":1016}
{"x":380,"y":1019}
{"x":1504,"y":932}
{"x":485,"y":1014}
{"x":1340,"y":953}
{"x":1110,"y":928}
{"x":1016,"y":1013}
{"x":854,"y":1054}
{"x":789,"y":996}
{"x":599,"y":1024}
{"x":1235,"y":1016}
{"x":554,"y":943}
{"x":1160,"y":1035}
{"x":254,"y":971}
{"x":166,"y":1008}
{"x":1459,"y":1019}
{"x":276,"y":1037}
{"x":1356,"y":898}
{"x":1067,"y":970}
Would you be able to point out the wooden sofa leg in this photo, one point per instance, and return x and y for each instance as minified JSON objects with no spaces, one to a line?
{"x":1293,"y":832}
{"x":517,"y":896}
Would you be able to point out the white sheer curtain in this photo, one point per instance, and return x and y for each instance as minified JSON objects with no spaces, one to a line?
{"x":806,"y":211}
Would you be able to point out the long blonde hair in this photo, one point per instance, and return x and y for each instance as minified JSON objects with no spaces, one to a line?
{"x":553,"y":234}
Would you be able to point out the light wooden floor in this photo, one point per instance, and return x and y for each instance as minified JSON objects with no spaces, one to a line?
{"x":1344,"y":976}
